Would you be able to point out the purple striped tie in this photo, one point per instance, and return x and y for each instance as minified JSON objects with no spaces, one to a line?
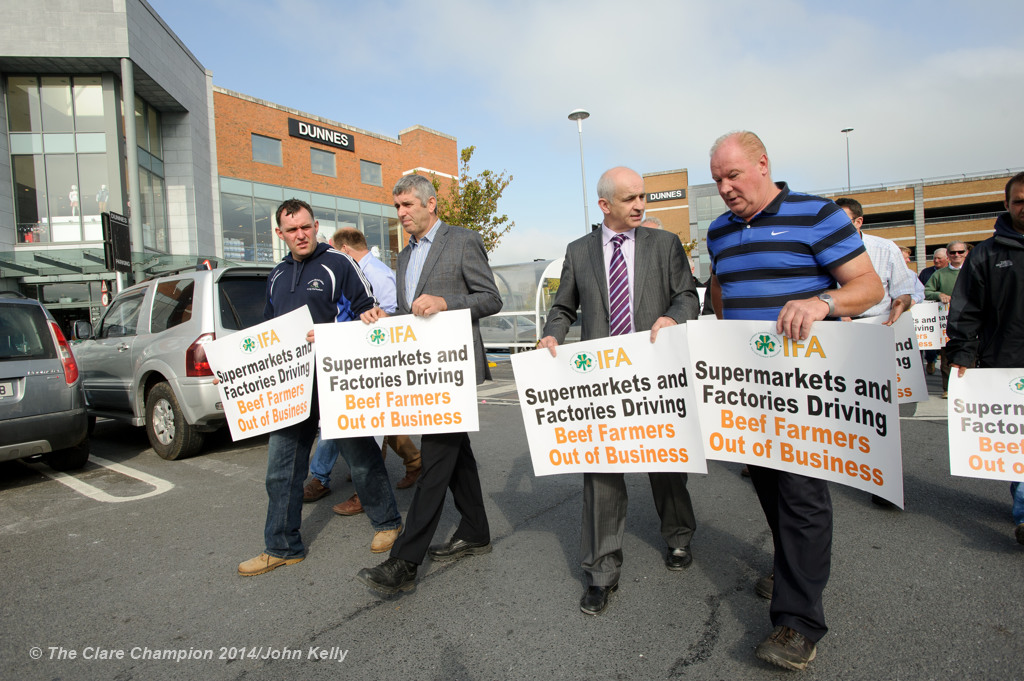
{"x":618,"y":289}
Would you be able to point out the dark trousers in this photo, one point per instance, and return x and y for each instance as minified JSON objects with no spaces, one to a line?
{"x":287,"y":465}
{"x":799,"y":511}
{"x":604,"y":520}
{"x":944,"y":368}
{"x":448,"y":463}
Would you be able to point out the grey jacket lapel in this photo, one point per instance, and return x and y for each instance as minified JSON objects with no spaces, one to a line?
{"x":436,"y":247}
{"x":641,"y":244}
{"x":596,"y":255}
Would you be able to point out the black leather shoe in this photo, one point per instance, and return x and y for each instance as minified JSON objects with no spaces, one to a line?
{"x":595,"y":599}
{"x":678,"y":559}
{"x":391,"y":576}
{"x":457,"y":548}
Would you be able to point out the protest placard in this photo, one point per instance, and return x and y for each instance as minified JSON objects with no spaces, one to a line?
{"x":930,"y":323}
{"x":401,"y":375}
{"x":986,"y":424}
{"x":911,"y":385}
{"x":824,"y":407}
{"x":611,"y":405}
{"x":265,"y":373}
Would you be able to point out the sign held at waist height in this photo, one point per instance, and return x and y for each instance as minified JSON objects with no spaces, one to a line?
{"x":611,"y":405}
{"x":266,"y":374}
{"x":401,"y":375}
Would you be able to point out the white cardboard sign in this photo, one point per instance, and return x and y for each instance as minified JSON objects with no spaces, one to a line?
{"x":825,"y":407}
{"x":611,"y":405}
{"x":911,"y":385}
{"x":266,"y":374}
{"x":986,"y":424}
{"x":403,"y":374}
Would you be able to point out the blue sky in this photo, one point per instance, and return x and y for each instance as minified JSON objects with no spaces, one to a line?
{"x":930,"y":88}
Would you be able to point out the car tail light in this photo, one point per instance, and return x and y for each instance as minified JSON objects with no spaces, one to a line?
{"x":66,"y":356}
{"x":196,"y":363}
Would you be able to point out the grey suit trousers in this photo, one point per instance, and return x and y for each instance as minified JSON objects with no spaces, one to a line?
{"x":604,"y":520}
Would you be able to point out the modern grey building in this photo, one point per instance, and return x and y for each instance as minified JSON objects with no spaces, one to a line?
{"x":103,"y":109}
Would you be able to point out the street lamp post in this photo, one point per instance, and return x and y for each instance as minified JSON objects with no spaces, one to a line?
{"x":578,"y":115}
{"x":847,"y":131}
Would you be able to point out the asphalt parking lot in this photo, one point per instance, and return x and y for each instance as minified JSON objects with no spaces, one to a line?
{"x":126,"y":570}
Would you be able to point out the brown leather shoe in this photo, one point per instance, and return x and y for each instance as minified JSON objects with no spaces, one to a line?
{"x":264,"y":563}
{"x":314,"y":490}
{"x":350,"y":507}
{"x":383,"y":540}
{"x":410,"y":478}
{"x":786,"y":648}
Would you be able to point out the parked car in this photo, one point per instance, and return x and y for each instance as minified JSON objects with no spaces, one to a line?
{"x":145,"y":361}
{"x":508,"y":332}
{"x":42,"y":408}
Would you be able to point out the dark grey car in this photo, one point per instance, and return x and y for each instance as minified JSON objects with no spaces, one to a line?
{"x":42,"y":407}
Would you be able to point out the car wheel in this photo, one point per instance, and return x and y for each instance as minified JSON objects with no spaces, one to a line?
{"x":69,"y":459}
{"x":171,"y":436}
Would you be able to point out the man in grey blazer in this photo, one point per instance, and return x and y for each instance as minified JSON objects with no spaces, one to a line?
{"x":443,"y":268}
{"x":661,"y":293}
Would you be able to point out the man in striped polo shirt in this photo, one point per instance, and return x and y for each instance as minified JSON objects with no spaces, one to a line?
{"x":778,"y":255}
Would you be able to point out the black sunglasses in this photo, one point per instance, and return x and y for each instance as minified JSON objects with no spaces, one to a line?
{"x":957,"y":252}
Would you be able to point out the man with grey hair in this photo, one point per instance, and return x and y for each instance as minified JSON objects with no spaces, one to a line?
{"x":443,"y":268}
{"x":765,"y":223}
{"x":940,"y":287}
{"x":652,"y":222}
{"x":939,"y":260}
{"x":623,"y":279}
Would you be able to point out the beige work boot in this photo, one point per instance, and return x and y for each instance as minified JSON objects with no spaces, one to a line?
{"x":264,"y":563}
{"x":383,"y":540}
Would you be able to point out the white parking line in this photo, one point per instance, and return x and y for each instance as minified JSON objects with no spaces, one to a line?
{"x":160,"y":486}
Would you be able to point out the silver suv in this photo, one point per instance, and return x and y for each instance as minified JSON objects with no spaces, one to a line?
{"x":42,"y":409}
{"x":145,"y":362}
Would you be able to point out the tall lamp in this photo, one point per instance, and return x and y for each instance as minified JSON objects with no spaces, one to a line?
{"x":847,"y":131}
{"x":578,"y":115}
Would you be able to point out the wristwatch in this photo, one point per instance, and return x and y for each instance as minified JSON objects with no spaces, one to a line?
{"x":827,"y":299}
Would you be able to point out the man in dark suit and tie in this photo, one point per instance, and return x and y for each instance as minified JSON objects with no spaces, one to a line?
{"x":624,"y":278}
{"x":443,"y":268}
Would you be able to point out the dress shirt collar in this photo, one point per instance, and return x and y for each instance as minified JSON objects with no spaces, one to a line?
{"x":607,"y":234}
{"x":429,"y":236}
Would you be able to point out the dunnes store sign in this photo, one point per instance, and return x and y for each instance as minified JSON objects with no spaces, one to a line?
{"x":669,"y":195}
{"x":317,"y":133}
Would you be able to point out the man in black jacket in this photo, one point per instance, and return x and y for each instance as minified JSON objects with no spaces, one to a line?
{"x":331,"y":285}
{"x":986,"y":314}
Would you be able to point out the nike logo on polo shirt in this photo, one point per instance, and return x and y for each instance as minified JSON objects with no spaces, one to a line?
{"x":774,"y":233}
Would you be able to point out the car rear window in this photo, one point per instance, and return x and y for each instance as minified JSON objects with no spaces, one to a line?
{"x":242,"y":300}
{"x":24,"y":333}
{"x":172,"y":304}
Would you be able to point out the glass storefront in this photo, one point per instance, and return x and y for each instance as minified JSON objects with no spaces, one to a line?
{"x":247,"y":217}
{"x":151,"y":177}
{"x":58,"y":157}
{"x":60,"y":165}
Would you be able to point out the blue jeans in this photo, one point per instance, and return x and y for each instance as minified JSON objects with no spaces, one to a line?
{"x":287,"y":463}
{"x":369,"y":477}
{"x":1017,"y":491}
